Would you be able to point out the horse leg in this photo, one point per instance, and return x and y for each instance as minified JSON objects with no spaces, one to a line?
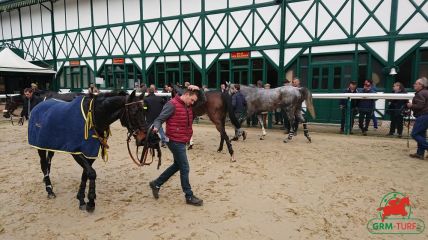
{"x":305,"y":127}
{"x":260,"y":118}
{"x":291,"y":116}
{"x":82,"y":188}
{"x":45,"y":164}
{"x":221,"y":128}
{"x":220,"y":146}
{"x":92,"y":175}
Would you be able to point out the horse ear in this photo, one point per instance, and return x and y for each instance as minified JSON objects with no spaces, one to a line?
{"x":132,"y":96}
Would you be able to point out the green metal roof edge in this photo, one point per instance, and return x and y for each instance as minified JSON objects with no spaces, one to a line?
{"x":13,"y":4}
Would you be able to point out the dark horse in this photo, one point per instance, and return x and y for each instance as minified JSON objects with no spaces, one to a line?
{"x":217,"y":106}
{"x":99,"y":111}
{"x":13,"y":102}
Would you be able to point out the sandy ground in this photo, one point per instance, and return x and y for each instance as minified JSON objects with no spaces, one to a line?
{"x":328,"y":189}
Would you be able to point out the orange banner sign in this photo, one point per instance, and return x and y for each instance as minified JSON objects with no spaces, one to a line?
{"x":118,"y":60}
{"x":235,"y":55}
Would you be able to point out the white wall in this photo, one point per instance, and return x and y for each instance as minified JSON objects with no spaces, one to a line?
{"x":84,"y":13}
{"x":59,"y":16}
{"x":7,"y":34}
{"x":16,"y":28}
{"x":100,"y":12}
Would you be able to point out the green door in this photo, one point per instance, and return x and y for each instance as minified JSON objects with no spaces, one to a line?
{"x":240,"y":76}
{"x":329,"y":78}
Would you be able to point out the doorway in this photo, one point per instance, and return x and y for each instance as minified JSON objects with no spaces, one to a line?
{"x":329,"y":78}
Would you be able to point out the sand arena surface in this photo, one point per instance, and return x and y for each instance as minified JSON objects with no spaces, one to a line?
{"x":329,"y":189}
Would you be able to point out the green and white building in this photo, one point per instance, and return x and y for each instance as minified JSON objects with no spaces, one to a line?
{"x":120,"y":43}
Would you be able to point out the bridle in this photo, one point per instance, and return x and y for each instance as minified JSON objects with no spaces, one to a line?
{"x":133,"y":131}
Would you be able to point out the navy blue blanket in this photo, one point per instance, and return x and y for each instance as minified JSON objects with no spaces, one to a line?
{"x":58,"y":126}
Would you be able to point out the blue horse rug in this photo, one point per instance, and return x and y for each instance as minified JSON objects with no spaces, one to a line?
{"x":59,"y":126}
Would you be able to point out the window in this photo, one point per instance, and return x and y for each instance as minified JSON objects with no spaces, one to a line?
{"x":75,"y":77}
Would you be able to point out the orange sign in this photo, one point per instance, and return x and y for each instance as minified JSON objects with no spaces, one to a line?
{"x":118,"y":60}
{"x":75,"y":63}
{"x":235,"y":55}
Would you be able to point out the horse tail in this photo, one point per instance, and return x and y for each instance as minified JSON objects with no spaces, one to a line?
{"x":228,"y":100}
{"x":307,"y":96}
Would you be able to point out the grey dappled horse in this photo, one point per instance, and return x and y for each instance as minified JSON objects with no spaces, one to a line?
{"x":287,"y":98}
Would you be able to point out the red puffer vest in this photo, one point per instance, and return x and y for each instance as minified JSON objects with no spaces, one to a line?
{"x":179,"y":125}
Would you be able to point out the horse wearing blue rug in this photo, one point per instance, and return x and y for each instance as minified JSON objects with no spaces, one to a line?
{"x":55,"y":119}
{"x":81,"y":128}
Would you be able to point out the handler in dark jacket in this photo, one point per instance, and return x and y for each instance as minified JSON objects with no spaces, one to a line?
{"x":395,"y":111}
{"x":419,"y":106}
{"x":344,"y":107}
{"x":156,"y":104}
{"x":366,"y":107}
{"x":239,"y":108}
{"x":30,"y":101}
{"x":178,"y":115}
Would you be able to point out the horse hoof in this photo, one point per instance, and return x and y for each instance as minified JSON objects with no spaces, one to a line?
{"x":244,"y":135}
{"x":219,"y":151}
{"x":90,"y":209}
{"x":262,"y":138}
{"x":285,"y":141}
{"x":82,"y":207}
{"x":51,"y":195}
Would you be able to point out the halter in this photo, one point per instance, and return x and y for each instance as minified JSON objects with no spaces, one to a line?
{"x":134,"y":132}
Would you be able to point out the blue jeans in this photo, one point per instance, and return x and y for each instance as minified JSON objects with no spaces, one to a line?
{"x":419,"y":133}
{"x":180,"y":164}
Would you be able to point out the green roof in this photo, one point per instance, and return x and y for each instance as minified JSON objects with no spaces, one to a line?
{"x":6,"y":5}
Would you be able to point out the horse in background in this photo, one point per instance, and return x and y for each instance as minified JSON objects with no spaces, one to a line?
{"x":54,"y":125}
{"x":217,"y":106}
{"x":288,"y":98}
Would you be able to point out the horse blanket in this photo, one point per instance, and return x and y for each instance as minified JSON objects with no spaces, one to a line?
{"x":59,"y":126}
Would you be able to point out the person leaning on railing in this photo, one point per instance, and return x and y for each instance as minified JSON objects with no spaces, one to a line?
{"x":366,"y":107}
{"x":419,"y":106}
{"x":395,"y":108}
{"x":352,"y":88}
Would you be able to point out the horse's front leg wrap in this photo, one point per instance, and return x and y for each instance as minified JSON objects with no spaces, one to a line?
{"x":306,"y":131}
{"x":81,"y":193}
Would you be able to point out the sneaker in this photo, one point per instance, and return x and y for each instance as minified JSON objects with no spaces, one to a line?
{"x":400,"y":136}
{"x":163,"y":145}
{"x":193,"y":200}
{"x":415,"y":155}
{"x":190,"y":147}
{"x":155,"y":189}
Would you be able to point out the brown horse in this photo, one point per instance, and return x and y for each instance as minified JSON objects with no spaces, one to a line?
{"x":217,"y":106}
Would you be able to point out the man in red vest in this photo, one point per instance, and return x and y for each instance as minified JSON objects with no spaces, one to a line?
{"x":178,"y":115}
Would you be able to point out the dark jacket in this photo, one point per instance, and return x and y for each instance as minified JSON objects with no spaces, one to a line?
{"x":366,"y":104}
{"x":238,"y":102}
{"x":396,"y":105}
{"x":33,"y":102}
{"x":354,"y":102}
{"x":156,"y":104}
{"x":420,"y":103}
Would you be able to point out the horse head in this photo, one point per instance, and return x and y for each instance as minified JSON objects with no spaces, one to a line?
{"x":134,"y":117}
{"x":10,"y":107}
